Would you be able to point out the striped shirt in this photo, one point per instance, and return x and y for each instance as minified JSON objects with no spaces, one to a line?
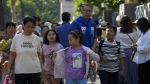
{"x":110,"y":51}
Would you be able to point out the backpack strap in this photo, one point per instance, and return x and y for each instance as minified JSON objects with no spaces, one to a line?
{"x":100,"y":46}
{"x":118,"y":44}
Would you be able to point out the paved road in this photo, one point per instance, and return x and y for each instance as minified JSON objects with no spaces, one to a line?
{"x":97,"y":81}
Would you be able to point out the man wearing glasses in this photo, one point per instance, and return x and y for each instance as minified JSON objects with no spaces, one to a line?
{"x":85,"y":25}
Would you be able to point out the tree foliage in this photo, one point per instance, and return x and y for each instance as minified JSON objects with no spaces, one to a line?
{"x":47,"y":10}
{"x":110,"y":4}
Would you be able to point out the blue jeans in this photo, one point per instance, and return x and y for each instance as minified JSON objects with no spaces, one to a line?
{"x":72,"y":81}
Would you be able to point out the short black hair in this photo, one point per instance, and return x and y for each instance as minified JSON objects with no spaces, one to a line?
{"x":113,"y":27}
{"x":66,"y":16}
{"x":99,"y":32}
{"x":45,"y":40}
{"x":53,"y":24}
{"x":10,"y":24}
{"x":76,"y":34}
{"x":38,"y":19}
{"x":29,"y":19}
{"x":35,"y":18}
{"x":143,"y":24}
{"x":89,"y":5}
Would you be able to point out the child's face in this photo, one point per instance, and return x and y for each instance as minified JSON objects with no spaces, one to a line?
{"x":51,"y":36}
{"x":110,"y":33}
{"x":3,"y":33}
{"x":72,"y":41}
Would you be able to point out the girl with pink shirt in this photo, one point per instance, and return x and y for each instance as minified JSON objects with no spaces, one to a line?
{"x":51,"y":44}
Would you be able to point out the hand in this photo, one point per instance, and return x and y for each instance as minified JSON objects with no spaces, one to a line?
{"x":54,"y":54}
{"x":46,"y":72}
{"x":134,"y":46}
{"x":122,"y":74}
{"x":103,"y":58}
{"x":42,"y":73}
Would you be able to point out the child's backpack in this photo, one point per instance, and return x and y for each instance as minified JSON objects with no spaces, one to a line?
{"x":102,"y":43}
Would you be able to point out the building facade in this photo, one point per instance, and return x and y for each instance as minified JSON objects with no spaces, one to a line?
{"x":67,"y":6}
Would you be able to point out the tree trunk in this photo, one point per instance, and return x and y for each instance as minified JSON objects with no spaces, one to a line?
{"x":22,"y":10}
{"x":13,"y":9}
{"x":1,"y":14}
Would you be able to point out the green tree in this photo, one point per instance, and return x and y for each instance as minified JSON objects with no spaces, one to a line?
{"x":47,"y":10}
{"x":110,"y":4}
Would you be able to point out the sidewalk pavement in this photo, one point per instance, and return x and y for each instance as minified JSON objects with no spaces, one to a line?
{"x":96,"y":82}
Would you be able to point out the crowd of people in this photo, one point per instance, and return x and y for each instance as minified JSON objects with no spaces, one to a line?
{"x":45,"y":53}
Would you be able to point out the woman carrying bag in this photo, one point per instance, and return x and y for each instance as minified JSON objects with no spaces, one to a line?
{"x":142,"y":57}
{"x":127,"y":35}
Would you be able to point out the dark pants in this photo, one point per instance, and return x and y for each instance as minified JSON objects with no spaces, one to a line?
{"x":33,"y":78}
{"x":61,"y":81}
{"x":144,"y":73}
{"x":108,"y":77}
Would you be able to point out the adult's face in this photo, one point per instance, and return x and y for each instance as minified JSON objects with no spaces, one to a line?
{"x":45,"y":29}
{"x":54,"y":26}
{"x":29,"y":28}
{"x":37,"y":23}
{"x":11,"y":30}
{"x":86,"y":12}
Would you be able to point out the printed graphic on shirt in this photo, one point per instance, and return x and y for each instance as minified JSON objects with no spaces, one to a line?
{"x":92,"y":30}
{"x":50,"y":54}
{"x":51,"y":64}
{"x":27,"y":45}
{"x":83,"y":29}
{"x":77,"y":60}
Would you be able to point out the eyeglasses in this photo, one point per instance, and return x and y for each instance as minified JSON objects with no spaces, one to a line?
{"x":87,"y":10}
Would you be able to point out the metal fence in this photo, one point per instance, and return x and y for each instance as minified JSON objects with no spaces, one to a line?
{"x":142,"y":11}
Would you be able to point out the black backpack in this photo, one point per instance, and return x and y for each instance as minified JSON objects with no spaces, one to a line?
{"x":101,"y":44}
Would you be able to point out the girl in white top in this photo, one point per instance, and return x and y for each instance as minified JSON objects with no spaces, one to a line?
{"x":25,"y":51}
{"x":142,"y":58}
{"x":127,"y":35}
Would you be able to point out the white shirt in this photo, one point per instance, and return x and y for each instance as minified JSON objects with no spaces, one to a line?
{"x":124,"y":39}
{"x":143,"y":49}
{"x":26,"y":48}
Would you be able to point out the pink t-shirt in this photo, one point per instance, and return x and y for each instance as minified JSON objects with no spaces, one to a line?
{"x":47,"y":52}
